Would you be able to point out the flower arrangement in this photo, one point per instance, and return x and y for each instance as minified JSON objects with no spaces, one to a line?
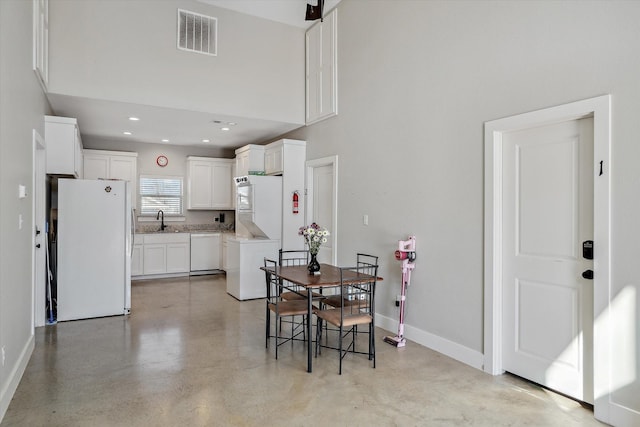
{"x":315,"y":236}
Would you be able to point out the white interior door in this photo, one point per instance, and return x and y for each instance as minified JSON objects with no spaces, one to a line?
{"x":548,"y":214}
{"x":322,"y":202}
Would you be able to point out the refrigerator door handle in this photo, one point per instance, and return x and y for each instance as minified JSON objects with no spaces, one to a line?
{"x":133,"y":232}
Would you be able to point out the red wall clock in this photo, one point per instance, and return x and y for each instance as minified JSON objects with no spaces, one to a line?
{"x":162,"y":161}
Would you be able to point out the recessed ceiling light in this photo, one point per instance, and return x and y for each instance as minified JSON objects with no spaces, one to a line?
{"x":231,"y":123}
{"x":224,"y":129}
{"x":205,"y":140}
{"x":127,"y":132}
{"x":134,"y":119}
{"x":165,"y":140}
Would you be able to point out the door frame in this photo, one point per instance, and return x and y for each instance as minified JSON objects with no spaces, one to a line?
{"x":333,"y":227}
{"x":39,"y":177}
{"x":600,"y":109}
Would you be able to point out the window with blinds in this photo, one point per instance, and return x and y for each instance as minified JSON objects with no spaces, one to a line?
{"x":160,"y":193}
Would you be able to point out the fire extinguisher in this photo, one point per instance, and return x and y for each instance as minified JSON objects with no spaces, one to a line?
{"x":295,"y":202}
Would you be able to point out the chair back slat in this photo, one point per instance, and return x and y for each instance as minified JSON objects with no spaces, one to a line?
{"x":293,"y":258}
{"x":368,"y":262}
{"x":358,"y":295}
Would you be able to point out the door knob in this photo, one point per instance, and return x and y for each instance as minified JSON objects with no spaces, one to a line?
{"x":588,"y":274}
{"x":38,"y":246}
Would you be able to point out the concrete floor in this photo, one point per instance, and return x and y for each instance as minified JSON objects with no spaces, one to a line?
{"x":191,"y":355}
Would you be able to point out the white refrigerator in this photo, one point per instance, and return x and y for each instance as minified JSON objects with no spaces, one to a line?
{"x":94,"y":244}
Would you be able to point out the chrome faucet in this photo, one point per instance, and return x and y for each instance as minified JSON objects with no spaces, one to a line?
{"x":161,"y":214}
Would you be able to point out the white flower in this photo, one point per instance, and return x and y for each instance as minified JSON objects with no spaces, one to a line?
{"x":313,"y":235}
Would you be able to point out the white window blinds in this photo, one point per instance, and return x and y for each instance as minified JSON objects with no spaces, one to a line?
{"x":160,"y":193}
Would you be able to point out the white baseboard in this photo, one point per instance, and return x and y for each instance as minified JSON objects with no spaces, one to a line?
{"x":11,"y":384}
{"x":434,"y":342}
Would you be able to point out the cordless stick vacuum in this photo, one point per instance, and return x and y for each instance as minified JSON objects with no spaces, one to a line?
{"x":407,"y":254}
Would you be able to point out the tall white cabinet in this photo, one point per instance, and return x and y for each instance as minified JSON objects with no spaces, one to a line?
{"x":287,"y":157}
{"x":321,"y":82}
{"x":209,"y":183}
{"x":101,"y":164}
{"x":64,"y":146}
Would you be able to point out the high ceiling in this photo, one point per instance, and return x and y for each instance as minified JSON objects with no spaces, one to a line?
{"x":108,"y":120}
{"x":291,"y":12}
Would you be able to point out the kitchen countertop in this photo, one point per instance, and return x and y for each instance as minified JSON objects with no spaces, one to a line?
{"x":191,"y":228}
{"x":169,"y":231}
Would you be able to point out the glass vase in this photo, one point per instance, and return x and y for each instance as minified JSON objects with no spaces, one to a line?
{"x":314,"y":265}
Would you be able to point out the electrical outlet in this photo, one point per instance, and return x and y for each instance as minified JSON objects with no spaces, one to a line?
{"x":398,"y":298}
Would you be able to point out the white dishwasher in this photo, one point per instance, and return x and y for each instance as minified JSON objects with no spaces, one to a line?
{"x":205,"y":253}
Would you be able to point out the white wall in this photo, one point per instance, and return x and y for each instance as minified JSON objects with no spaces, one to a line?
{"x":417,"y":80}
{"x":22,"y":109}
{"x":125,"y":50}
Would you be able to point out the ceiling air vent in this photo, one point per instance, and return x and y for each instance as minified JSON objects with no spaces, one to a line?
{"x":197,"y":33}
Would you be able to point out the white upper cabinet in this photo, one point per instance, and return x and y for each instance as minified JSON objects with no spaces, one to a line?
{"x":322,"y":69}
{"x":249,"y":158}
{"x":209,"y":183}
{"x":273,"y":158}
{"x":287,"y":157}
{"x":100,"y":164}
{"x":64,"y":146}
{"x":41,"y":41}
{"x":285,"y":154}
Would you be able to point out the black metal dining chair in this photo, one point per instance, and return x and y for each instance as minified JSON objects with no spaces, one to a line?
{"x":357,"y":308}
{"x":369,"y":264}
{"x":282,"y":309}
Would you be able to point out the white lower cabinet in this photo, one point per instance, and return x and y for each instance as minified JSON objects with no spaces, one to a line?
{"x":137,"y":267}
{"x":225,"y":251}
{"x":154,"y":258}
{"x":161,"y":253}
